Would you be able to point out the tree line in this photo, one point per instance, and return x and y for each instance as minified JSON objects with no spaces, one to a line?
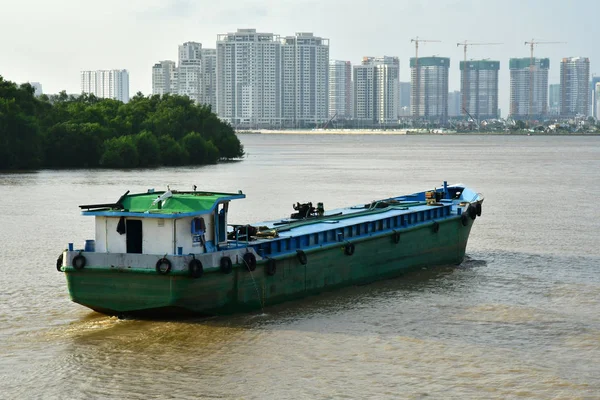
{"x":63,"y":131}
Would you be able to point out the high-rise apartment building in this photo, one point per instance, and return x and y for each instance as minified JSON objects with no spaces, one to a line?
{"x":597,"y":102}
{"x":110,"y":84}
{"x":455,"y":104}
{"x":164,"y":77}
{"x":249,"y":78}
{"x":376,"y":90}
{"x":574,"y":81}
{"x":189,"y":72}
{"x":429,"y":88}
{"x":305,"y":79}
{"x":340,"y":89}
{"x":554,"y":99}
{"x":209,"y":78}
{"x":479,"y":88}
{"x":404,"y":106}
{"x":528,"y":87}
{"x":594,"y":97}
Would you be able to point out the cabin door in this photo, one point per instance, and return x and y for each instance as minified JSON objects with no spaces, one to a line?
{"x":134,"y":236}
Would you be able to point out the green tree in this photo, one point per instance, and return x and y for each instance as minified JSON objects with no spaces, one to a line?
{"x":171,"y":152}
{"x":120,"y":153}
{"x":200,"y":151}
{"x":148,"y":149}
{"x":73,"y":145}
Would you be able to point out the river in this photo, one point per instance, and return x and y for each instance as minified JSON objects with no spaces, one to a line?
{"x":519,"y":318}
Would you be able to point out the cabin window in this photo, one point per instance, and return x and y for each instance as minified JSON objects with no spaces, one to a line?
{"x":134,"y":236}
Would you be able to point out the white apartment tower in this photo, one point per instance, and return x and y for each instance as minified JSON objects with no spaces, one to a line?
{"x":574,"y":86}
{"x":209,"y":78}
{"x":189,"y":72}
{"x":249,"y":78}
{"x":305,"y":79}
{"x":340,"y":89}
{"x":376,"y":90}
{"x":108,"y":84}
{"x":164,"y":78}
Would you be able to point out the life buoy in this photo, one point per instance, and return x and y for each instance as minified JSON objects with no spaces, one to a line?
{"x":396,"y":237}
{"x":196,"y":269}
{"x":436,"y":227}
{"x":472,"y":212}
{"x":301,"y":257}
{"x":349,"y":249}
{"x":271,"y":267}
{"x":79,"y":261}
{"x":59,"y":262}
{"x":464,"y":219}
{"x":226,"y":265}
{"x":160,"y":266}
{"x":478,"y":209}
{"x":250,"y":261}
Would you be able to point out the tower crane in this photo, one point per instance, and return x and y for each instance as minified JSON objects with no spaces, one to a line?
{"x":465,"y":77}
{"x":417,"y":83}
{"x":532,"y":44}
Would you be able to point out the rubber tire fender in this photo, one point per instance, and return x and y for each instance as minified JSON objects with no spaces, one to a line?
{"x":349,"y":249}
{"x":301,"y":257}
{"x":396,"y":237}
{"x":79,"y":261}
{"x":160,"y":263}
{"x":478,"y":209}
{"x":472,"y":212}
{"x":196,"y":268}
{"x":271,"y":267}
{"x":464,"y":219}
{"x":226,"y":265}
{"x":436,"y":227}
{"x":59,"y":262}
{"x":249,"y":261}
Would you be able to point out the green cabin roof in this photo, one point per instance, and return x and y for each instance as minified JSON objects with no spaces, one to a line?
{"x":178,"y":205}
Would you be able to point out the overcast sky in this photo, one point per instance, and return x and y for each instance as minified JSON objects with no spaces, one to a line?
{"x":51,"y":41}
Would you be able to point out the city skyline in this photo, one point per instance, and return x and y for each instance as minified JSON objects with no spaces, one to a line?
{"x":106,"y":43}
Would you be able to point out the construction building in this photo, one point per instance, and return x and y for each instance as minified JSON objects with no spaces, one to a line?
{"x":376,"y":90}
{"x":340,"y":89}
{"x":249,"y":85}
{"x":528,"y":88}
{"x":455,"y":104}
{"x":305,"y":80}
{"x":164,"y":77}
{"x":429,"y":88}
{"x":479,"y":89}
{"x":574,"y":81}
{"x":404,"y":106}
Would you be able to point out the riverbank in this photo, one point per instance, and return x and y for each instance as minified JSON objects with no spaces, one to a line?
{"x":406,"y":132}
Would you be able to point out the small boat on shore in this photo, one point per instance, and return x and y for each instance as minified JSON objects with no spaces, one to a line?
{"x":173,"y":252}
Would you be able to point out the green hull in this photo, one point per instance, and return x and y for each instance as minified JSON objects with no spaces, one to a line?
{"x":328,"y":267}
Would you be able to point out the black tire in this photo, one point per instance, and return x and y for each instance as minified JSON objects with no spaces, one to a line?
{"x":436,"y":227}
{"x":249,"y":261}
{"x":301,"y":257}
{"x":159,"y":266}
{"x":349,"y":249}
{"x":79,"y":261}
{"x":478,"y":209}
{"x":59,"y":262}
{"x":271,"y":267}
{"x":226,"y":265}
{"x":464,"y":219}
{"x":472,"y":212}
{"x":396,"y":237}
{"x":196,"y":269}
